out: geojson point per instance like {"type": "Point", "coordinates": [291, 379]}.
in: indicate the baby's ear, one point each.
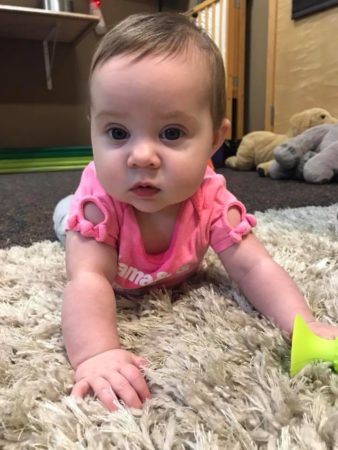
{"type": "Point", "coordinates": [220, 135]}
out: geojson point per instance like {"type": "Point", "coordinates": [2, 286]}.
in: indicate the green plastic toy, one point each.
{"type": "Point", "coordinates": [307, 347]}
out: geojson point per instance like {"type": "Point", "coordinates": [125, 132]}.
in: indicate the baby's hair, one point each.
{"type": "Point", "coordinates": [167, 34]}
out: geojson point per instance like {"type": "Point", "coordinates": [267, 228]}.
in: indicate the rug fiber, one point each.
{"type": "Point", "coordinates": [218, 371]}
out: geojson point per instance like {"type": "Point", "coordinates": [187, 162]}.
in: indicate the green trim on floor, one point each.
{"type": "Point", "coordinates": [45, 152]}
{"type": "Point", "coordinates": [17, 160]}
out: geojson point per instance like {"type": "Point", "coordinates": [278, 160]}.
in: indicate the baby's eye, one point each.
{"type": "Point", "coordinates": [171, 134]}
{"type": "Point", "coordinates": [118, 134]}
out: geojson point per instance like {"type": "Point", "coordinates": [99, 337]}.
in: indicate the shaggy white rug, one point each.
{"type": "Point", "coordinates": [218, 372]}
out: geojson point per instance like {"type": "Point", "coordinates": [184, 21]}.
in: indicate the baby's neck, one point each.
{"type": "Point", "coordinates": [158, 216]}
{"type": "Point", "coordinates": [157, 228]}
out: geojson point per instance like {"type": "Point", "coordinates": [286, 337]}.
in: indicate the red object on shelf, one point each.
{"type": "Point", "coordinates": [95, 9]}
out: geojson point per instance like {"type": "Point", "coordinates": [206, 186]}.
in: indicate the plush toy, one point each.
{"type": "Point", "coordinates": [312, 156]}
{"type": "Point", "coordinates": [256, 148]}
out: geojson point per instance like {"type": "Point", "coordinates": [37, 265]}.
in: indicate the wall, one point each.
{"type": "Point", "coordinates": [306, 63]}
{"type": "Point", "coordinates": [177, 5]}
{"type": "Point", "coordinates": [30, 115]}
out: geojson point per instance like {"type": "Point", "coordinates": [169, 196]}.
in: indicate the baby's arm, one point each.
{"type": "Point", "coordinates": [90, 329]}
{"type": "Point", "coordinates": [266, 285]}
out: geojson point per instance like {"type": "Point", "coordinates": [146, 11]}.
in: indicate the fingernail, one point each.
{"type": "Point", "coordinates": [144, 362]}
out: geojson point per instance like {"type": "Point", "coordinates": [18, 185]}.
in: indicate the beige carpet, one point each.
{"type": "Point", "coordinates": [218, 374]}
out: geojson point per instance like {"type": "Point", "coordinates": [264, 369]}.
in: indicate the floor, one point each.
{"type": "Point", "coordinates": [28, 199]}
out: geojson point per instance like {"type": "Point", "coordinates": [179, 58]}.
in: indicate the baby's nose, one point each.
{"type": "Point", "coordinates": [144, 155]}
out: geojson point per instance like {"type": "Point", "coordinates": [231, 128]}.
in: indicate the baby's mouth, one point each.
{"type": "Point", "coordinates": [144, 190]}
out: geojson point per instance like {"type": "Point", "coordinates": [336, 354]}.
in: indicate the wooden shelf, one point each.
{"type": "Point", "coordinates": [36, 24]}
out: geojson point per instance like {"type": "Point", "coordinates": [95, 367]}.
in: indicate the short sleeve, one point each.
{"type": "Point", "coordinates": [90, 191]}
{"type": "Point", "coordinates": [222, 234]}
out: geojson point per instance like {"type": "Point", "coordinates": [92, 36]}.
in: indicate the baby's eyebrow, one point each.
{"type": "Point", "coordinates": [117, 114]}
{"type": "Point", "coordinates": [177, 115]}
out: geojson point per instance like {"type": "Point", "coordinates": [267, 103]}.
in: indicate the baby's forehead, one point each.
{"type": "Point", "coordinates": [159, 83]}
{"type": "Point", "coordinates": [190, 55]}
{"type": "Point", "coordinates": [183, 70]}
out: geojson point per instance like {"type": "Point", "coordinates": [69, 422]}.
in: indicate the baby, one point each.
{"type": "Point", "coordinates": [148, 207]}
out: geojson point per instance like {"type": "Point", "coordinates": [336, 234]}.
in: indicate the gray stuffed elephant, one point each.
{"type": "Point", "coordinates": [312, 156]}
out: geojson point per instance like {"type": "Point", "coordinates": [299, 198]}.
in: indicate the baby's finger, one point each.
{"type": "Point", "coordinates": [104, 393]}
{"type": "Point", "coordinates": [124, 390]}
{"type": "Point", "coordinates": [324, 330]}
{"type": "Point", "coordinates": [80, 389]}
{"type": "Point", "coordinates": [140, 361]}
{"type": "Point", "coordinates": [136, 380]}
{"type": "Point", "coordinates": [330, 334]}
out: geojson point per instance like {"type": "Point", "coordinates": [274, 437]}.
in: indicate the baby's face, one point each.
{"type": "Point", "coordinates": [151, 128]}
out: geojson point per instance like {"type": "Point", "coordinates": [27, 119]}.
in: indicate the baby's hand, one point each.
{"type": "Point", "coordinates": [111, 375]}
{"type": "Point", "coordinates": [323, 329]}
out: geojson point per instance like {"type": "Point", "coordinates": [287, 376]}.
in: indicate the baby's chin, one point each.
{"type": "Point", "coordinates": [153, 209]}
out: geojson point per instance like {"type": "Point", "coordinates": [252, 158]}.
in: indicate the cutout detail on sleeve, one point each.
{"type": "Point", "coordinates": [100, 232]}
{"type": "Point", "coordinates": [223, 234]}
{"type": "Point", "coordinates": [243, 228]}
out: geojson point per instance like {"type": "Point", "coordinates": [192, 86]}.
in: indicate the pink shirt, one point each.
{"type": "Point", "coordinates": [201, 222]}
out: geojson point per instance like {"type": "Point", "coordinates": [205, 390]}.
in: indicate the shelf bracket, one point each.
{"type": "Point", "coordinates": [49, 60]}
